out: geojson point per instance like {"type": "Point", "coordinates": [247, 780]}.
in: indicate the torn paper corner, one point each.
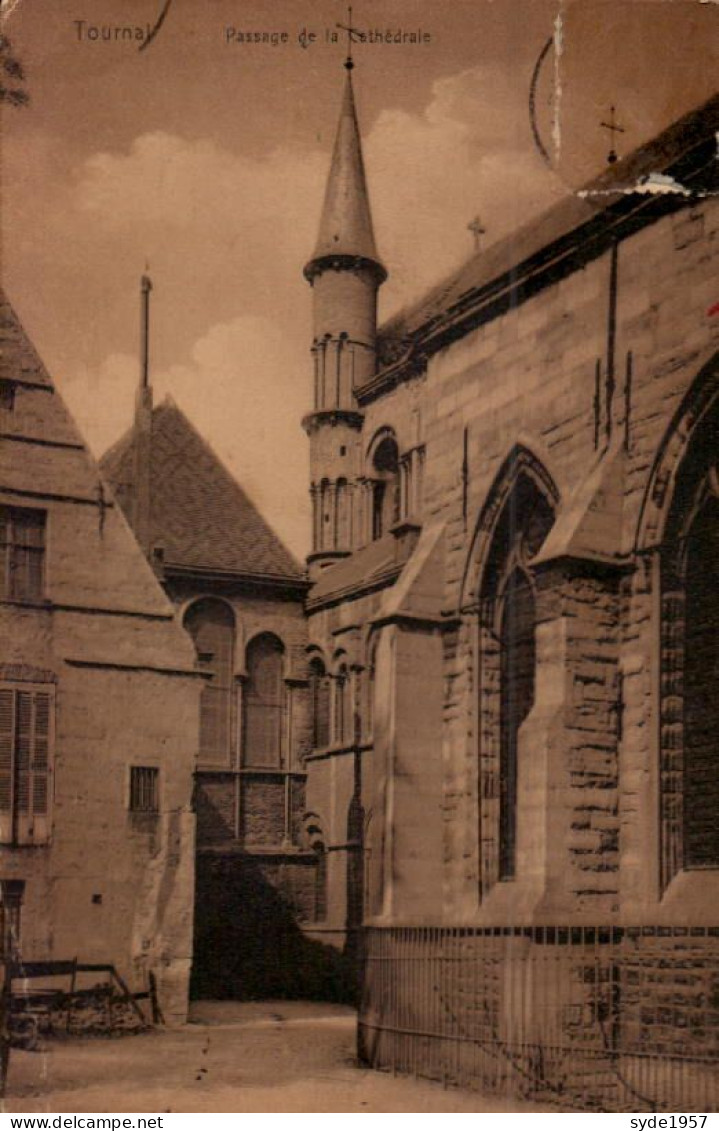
{"type": "Point", "coordinates": [656, 184]}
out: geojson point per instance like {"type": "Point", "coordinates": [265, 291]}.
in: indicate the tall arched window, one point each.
{"type": "Point", "coordinates": [689, 766]}
{"type": "Point", "coordinates": [516, 683]}
{"type": "Point", "coordinates": [264, 702]}
{"type": "Point", "coordinates": [211, 624]}
{"type": "Point", "coordinates": [320, 704]}
{"type": "Point", "coordinates": [701, 690]}
{"type": "Point", "coordinates": [516, 528]}
{"type": "Point", "coordinates": [385, 486]}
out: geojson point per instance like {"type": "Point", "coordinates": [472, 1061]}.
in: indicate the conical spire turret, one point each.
{"type": "Point", "coordinates": [346, 223]}
{"type": "Point", "coordinates": [345, 273]}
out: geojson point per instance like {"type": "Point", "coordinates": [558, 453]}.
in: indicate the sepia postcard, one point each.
{"type": "Point", "coordinates": [359, 558]}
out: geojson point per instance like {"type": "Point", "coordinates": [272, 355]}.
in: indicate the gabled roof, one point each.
{"type": "Point", "coordinates": [346, 223]}
{"type": "Point", "coordinates": [19, 360]}
{"type": "Point", "coordinates": [45, 463]}
{"type": "Point", "coordinates": [200, 515]}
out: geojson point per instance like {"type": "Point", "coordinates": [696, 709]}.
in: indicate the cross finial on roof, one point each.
{"type": "Point", "coordinates": [475, 227]}
{"type": "Point", "coordinates": [613, 128]}
{"type": "Point", "coordinates": [349, 61]}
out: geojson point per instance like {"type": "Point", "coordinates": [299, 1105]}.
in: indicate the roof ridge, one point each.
{"type": "Point", "coordinates": [594, 196]}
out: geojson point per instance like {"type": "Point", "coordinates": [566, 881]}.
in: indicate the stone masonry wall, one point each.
{"type": "Point", "coordinates": [528, 377]}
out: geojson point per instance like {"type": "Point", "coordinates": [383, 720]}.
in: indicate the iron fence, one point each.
{"type": "Point", "coordinates": [591, 1018]}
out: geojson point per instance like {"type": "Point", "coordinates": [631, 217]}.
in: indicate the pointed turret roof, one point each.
{"type": "Point", "coordinates": [346, 223]}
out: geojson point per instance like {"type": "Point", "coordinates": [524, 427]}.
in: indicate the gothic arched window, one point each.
{"type": "Point", "coordinates": [516, 683]}
{"type": "Point", "coordinates": [689, 766]}
{"type": "Point", "coordinates": [507, 667]}
{"type": "Point", "coordinates": [701, 690]}
{"type": "Point", "coordinates": [264, 702]}
{"type": "Point", "coordinates": [211, 624]}
{"type": "Point", "coordinates": [320, 704]}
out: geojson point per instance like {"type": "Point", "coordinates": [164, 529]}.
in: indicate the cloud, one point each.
{"type": "Point", "coordinates": [226, 234]}
{"type": "Point", "coordinates": [198, 187]}
{"type": "Point", "coordinates": [430, 174]}
{"type": "Point", "coordinates": [241, 392]}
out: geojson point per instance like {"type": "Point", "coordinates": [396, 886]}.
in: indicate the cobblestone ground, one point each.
{"type": "Point", "coordinates": [232, 1057]}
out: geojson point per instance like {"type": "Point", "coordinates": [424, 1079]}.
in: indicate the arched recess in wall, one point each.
{"type": "Point", "coordinates": [342, 515]}
{"type": "Point", "coordinates": [343, 715]}
{"type": "Point", "coordinates": [680, 520]}
{"type": "Point", "coordinates": [514, 523]}
{"type": "Point", "coordinates": [314, 839]}
{"type": "Point", "coordinates": [264, 702]}
{"type": "Point", "coordinates": [369, 687]}
{"type": "Point", "coordinates": [383, 478]}
{"type": "Point", "coordinates": [324, 526]}
{"type": "Point", "coordinates": [211, 624]}
{"type": "Point", "coordinates": [320, 703]}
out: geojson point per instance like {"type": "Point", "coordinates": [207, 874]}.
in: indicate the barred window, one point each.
{"type": "Point", "coordinates": [144, 789]}
{"type": "Point", "coordinates": [11, 893]}
{"type": "Point", "coordinates": [22, 553]}
{"type": "Point", "coordinates": [264, 702]}
{"type": "Point", "coordinates": [26, 750]}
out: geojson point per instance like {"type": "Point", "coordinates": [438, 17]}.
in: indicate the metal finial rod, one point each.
{"type": "Point", "coordinates": [145, 288]}
{"type": "Point", "coordinates": [349, 61]}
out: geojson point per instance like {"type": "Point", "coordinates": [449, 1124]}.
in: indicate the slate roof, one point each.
{"type": "Point", "coordinates": [200, 515]}
{"type": "Point", "coordinates": [19, 360]}
{"type": "Point", "coordinates": [679, 147]}
{"type": "Point", "coordinates": [370, 567]}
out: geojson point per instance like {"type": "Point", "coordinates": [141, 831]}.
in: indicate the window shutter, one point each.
{"type": "Point", "coordinates": [23, 741]}
{"type": "Point", "coordinates": [32, 773]}
{"type": "Point", "coordinates": [7, 745]}
{"type": "Point", "coordinates": [40, 766]}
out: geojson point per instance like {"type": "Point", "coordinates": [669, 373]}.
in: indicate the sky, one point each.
{"type": "Point", "coordinates": [205, 158]}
